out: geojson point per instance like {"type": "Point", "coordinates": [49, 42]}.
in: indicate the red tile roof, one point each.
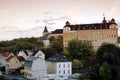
{"type": "Point", "coordinates": [6, 54]}
{"type": "Point", "coordinates": [21, 58]}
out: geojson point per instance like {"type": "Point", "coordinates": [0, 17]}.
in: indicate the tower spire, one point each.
{"type": "Point", "coordinates": [45, 29]}
{"type": "Point", "coordinates": [104, 20]}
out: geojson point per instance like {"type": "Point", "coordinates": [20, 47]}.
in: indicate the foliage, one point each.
{"type": "Point", "coordinates": [76, 64]}
{"type": "Point", "coordinates": [79, 49]}
{"type": "Point", "coordinates": [20, 44]}
{"type": "Point", "coordinates": [108, 60]}
{"type": "Point", "coordinates": [49, 52]}
{"type": "Point", "coordinates": [57, 44]}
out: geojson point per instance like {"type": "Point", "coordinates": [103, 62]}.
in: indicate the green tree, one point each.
{"type": "Point", "coordinates": [79, 49]}
{"type": "Point", "coordinates": [108, 58]}
{"type": "Point", "coordinates": [57, 44]}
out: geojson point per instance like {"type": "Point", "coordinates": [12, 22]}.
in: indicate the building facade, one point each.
{"type": "Point", "coordinates": [60, 66]}
{"type": "Point", "coordinates": [96, 33]}
{"type": "Point", "coordinates": [35, 68]}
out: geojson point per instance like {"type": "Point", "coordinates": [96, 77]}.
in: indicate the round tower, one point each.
{"type": "Point", "coordinates": [67, 26]}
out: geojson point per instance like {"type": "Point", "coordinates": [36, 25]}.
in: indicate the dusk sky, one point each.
{"type": "Point", "coordinates": [27, 18]}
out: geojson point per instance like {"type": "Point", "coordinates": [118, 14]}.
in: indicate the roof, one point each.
{"type": "Point", "coordinates": [31, 58]}
{"type": "Point", "coordinates": [93, 26]}
{"type": "Point", "coordinates": [58, 58]}
{"type": "Point", "coordinates": [10, 57]}
{"type": "Point", "coordinates": [21, 58]}
{"type": "Point", "coordinates": [90, 26]}
{"type": "Point", "coordinates": [45, 29]}
{"type": "Point", "coordinates": [29, 61]}
{"type": "Point", "coordinates": [57, 31]}
{"type": "Point", "coordinates": [6, 54]}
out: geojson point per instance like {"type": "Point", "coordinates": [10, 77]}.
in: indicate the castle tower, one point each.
{"type": "Point", "coordinates": [67, 26]}
{"type": "Point", "coordinates": [45, 37]}
{"type": "Point", "coordinates": [45, 31]}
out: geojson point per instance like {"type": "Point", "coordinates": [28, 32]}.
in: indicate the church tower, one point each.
{"type": "Point", "coordinates": [45, 36]}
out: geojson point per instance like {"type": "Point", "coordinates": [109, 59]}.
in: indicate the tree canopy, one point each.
{"type": "Point", "coordinates": [79, 49]}
{"type": "Point", "coordinates": [16, 45]}
{"type": "Point", "coordinates": [108, 63]}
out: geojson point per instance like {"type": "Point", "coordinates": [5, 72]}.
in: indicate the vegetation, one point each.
{"type": "Point", "coordinates": [105, 63]}
{"type": "Point", "coordinates": [79, 49]}
{"type": "Point", "coordinates": [108, 63]}
{"type": "Point", "coordinates": [56, 44]}
{"type": "Point", "coordinates": [80, 52]}
{"type": "Point", "coordinates": [20, 44]}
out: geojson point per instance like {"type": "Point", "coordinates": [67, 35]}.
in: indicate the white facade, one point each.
{"type": "Point", "coordinates": [22, 53]}
{"type": "Point", "coordinates": [40, 54]}
{"type": "Point", "coordinates": [35, 69]}
{"type": "Point", "coordinates": [64, 68]}
{"type": "Point", "coordinates": [60, 66]}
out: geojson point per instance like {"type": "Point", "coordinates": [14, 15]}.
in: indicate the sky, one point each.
{"type": "Point", "coordinates": [27, 18]}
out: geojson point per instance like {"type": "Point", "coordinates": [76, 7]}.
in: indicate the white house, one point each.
{"type": "Point", "coordinates": [35, 68]}
{"type": "Point", "coordinates": [27, 53]}
{"type": "Point", "coordinates": [23, 54]}
{"type": "Point", "coordinates": [59, 65]}
{"type": "Point", "coordinates": [40, 54]}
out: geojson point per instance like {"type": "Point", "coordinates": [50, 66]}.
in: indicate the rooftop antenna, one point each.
{"type": "Point", "coordinates": [103, 14]}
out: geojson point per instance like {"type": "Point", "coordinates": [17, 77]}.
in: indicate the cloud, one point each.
{"type": "Point", "coordinates": [6, 13]}
{"type": "Point", "coordinates": [6, 28]}
{"type": "Point", "coordinates": [69, 12]}
{"type": "Point", "coordinates": [115, 7]}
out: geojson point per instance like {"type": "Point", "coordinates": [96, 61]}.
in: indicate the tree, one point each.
{"type": "Point", "coordinates": [16, 45]}
{"type": "Point", "coordinates": [79, 49]}
{"type": "Point", "coordinates": [57, 44]}
{"type": "Point", "coordinates": [108, 58]}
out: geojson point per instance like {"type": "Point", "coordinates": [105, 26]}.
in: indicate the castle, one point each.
{"type": "Point", "coordinates": [95, 33]}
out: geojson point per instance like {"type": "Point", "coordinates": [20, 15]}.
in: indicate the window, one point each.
{"type": "Point", "coordinates": [59, 72]}
{"type": "Point", "coordinates": [64, 72]}
{"type": "Point", "coordinates": [63, 65]}
{"type": "Point", "coordinates": [59, 65]}
{"type": "Point", "coordinates": [68, 65]}
{"type": "Point", "coordinates": [68, 71]}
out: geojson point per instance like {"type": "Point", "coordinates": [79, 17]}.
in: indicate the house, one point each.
{"type": "Point", "coordinates": [21, 59]}
{"type": "Point", "coordinates": [12, 63]}
{"type": "Point", "coordinates": [59, 65]}
{"type": "Point", "coordinates": [26, 53]}
{"type": "Point", "coordinates": [35, 68]}
{"type": "Point", "coordinates": [40, 54]}
{"type": "Point", "coordinates": [3, 57]}
{"type": "Point", "coordinates": [23, 54]}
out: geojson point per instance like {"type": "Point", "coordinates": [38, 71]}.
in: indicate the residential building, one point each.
{"type": "Point", "coordinates": [59, 65]}
{"type": "Point", "coordinates": [3, 57]}
{"type": "Point", "coordinates": [40, 54]}
{"type": "Point", "coordinates": [12, 63]}
{"type": "Point", "coordinates": [35, 68]}
{"type": "Point", "coordinates": [26, 53]}
{"type": "Point", "coordinates": [23, 53]}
